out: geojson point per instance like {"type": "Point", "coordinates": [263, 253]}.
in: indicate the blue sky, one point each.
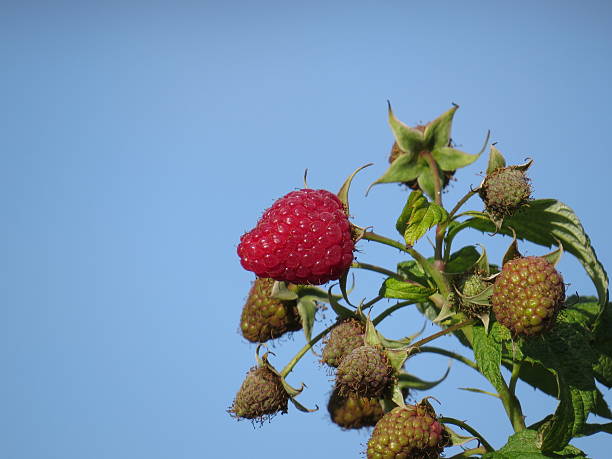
{"type": "Point", "coordinates": [141, 139]}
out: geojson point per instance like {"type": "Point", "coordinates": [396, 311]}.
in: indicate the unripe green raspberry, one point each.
{"type": "Point", "coordinates": [366, 372]}
{"type": "Point", "coordinates": [261, 396]}
{"type": "Point", "coordinates": [408, 432]}
{"type": "Point", "coordinates": [471, 286]}
{"type": "Point", "coordinates": [505, 190]}
{"type": "Point", "coordinates": [527, 295]}
{"type": "Point", "coordinates": [344, 337]}
{"type": "Point", "coordinates": [264, 318]}
{"type": "Point", "coordinates": [352, 411]}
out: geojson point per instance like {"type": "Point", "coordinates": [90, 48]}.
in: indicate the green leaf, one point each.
{"type": "Point", "coordinates": [565, 352]}
{"type": "Point", "coordinates": [496, 160]}
{"type": "Point", "coordinates": [523, 445]}
{"type": "Point", "coordinates": [404, 169]}
{"type": "Point", "coordinates": [603, 345]}
{"type": "Point", "coordinates": [544, 221]}
{"type": "Point", "coordinates": [488, 354]}
{"type": "Point", "coordinates": [450, 159]}
{"type": "Point", "coordinates": [462, 260]}
{"type": "Point", "coordinates": [426, 182]}
{"type": "Point", "coordinates": [409, 140]}
{"type": "Point", "coordinates": [404, 290]}
{"type": "Point", "coordinates": [418, 216]}
{"type": "Point", "coordinates": [438, 132]}
{"type": "Point", "coordinates": [413, 271]}
{"type": "Point", "coordinates": [307, 308]}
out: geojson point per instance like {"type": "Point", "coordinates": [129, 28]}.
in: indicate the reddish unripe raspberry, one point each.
{"type": "Point", "coordinates": [263, 317]}
{"type": "Point", "coordinates": [528, 294]}
{"type": "Point", "coordinates": [304, 238]}
{"type": "Point", "coordinates": [408, 432]}
{"type": "Point", "coordinates": [344, 337]}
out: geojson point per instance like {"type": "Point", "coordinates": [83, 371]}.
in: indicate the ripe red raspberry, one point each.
{"type": "Point", "coordinates": [304, 238]}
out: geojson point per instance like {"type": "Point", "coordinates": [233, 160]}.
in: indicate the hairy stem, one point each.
{"type": "Point", "coordinates": [436, 275]}
{"type": "Point", "coordinates": [289, 367]}
{"type": "Point", "coordinates": [467, 428]}
{"type": "Point", "coordinates": [516, 369]}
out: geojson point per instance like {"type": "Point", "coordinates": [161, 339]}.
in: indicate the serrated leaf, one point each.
{"type": "Point", "coordinates": [603, 345]}
{"type": "Point", "coordinates": [437, 133]}
{"type": "Point", "coordinates": [451, 159]}
{"type": "Point", "coordinates": [307, 308]}
{"type": "Point", "coordinates": [404, 290]}
{"type": "Point", "coordinates": [496, 160]}
{"type": "Point", "coordinates": [565, 352]}
{"type": "Point", "coordinates": [544, 221]}
{"type": "Point", "coordinates": [409, 140]}
{"type": "Point", "coordinates": [488, 354]}
{"type": "Point", "coordinates": [418, 216]}
{"type": "Point", "coordinates": [462, 260]}
{"type": "Point", "coordinates": [523, 445]}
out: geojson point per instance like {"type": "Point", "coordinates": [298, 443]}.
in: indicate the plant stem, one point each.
{"type": "Point", "coordinates": [462, 201]}
{"type": "Point", "coordinates": [289, 367]}
{"type": "Point", "coordinates": [446, 331]}
{"type": "Point", "coordinates": [512, 407]}
{"type": "Point", "coordinates": [372, 236]}
{"type": "Point", "coordinates": [391, 310]}
{"type": "Point", "coordinates": [438, 200]}
{"type": "Point", "coordinates": [436, 275]}
{"type": "Point", "coordinates": [452, 355]}
{"type": "Point", "coordinates": [376, 269]}
{"type": "Point", "coordinates": [469, 429]}
{"type": "Point", "coordinates": [516, 369]}
{"type": "Point", "coordinates": [372, 302]}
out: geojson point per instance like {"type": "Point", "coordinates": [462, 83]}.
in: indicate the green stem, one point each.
{"type": "Point", "coordinates": [372, 302]}
{"type": "Point", "coordinates": [376, 269]}
{"type": "Point", "coordinates": [459, 204]}
{"type": "Point", "coordinates": [446, 331]}
{"type": "Point", "coordinates": [452, 355]}
{"type": "Point", "coordinates": [436, 275]}
{"type": "Point", "coordinates": [438, 200]}
{"type": "Point", "coordinates": [516, 369]}
{"type": "Point", "coordinates": [372, 236]}
{"type": "Point", "coordinates": [391, 310]}
{"type": "Point", "coordinates": [512, 407]}
{"type": "Point", "coordinates": [467, 428]}
{"type": "Point", "coordinates": [289, 367]}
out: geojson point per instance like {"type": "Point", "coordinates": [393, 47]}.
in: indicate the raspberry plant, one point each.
{"type": "Point", "coordinates": [512, 314]}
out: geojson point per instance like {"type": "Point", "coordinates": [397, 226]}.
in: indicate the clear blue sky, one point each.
{"type": "Point", "coordinates": [139, 140]}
